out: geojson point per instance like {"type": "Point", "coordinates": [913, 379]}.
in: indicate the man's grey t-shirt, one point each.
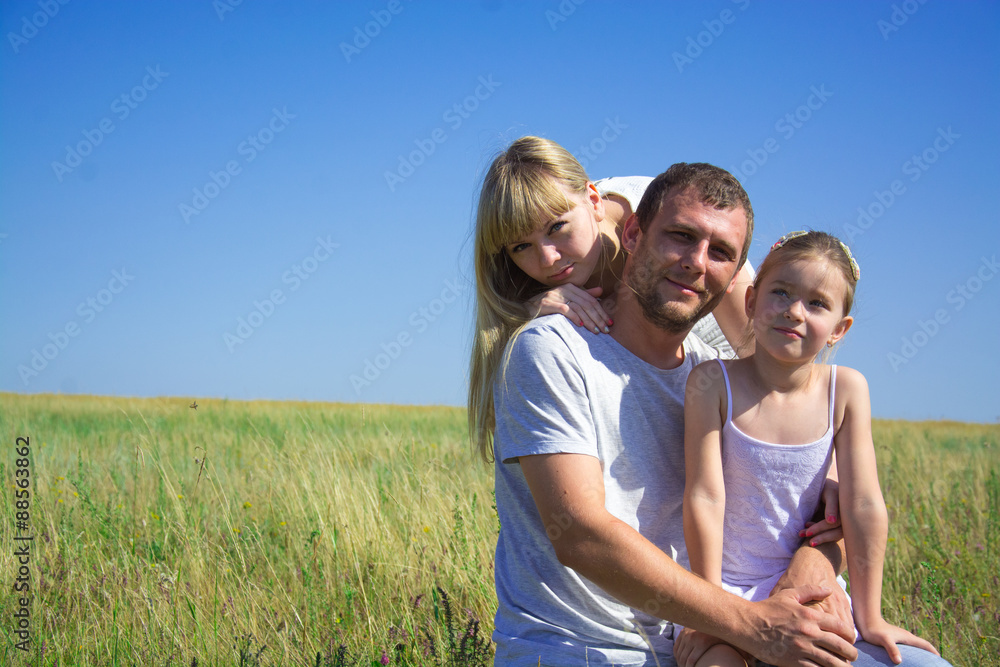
{"type": "Point", "coordinates": [567, 390]}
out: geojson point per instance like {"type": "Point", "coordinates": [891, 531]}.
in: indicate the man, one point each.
{"type": "Point", "coordinates": [590, 469]}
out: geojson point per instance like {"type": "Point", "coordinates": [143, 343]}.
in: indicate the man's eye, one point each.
{"type": "Point", "coordinates": [723, 254]}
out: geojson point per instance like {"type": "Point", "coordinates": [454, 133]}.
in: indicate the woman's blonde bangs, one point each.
{"type": "Point", "coordinates": [519, 205]}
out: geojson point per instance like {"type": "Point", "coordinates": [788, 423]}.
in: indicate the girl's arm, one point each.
{"type": "Point", "coordinates": [864, 516]}
{"type": "Point", "coordinates": [704, 489]}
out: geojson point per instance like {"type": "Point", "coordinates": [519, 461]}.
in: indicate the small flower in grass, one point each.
{"type": "Point", "coordinates": [427, 529]}
{"type": "Point", "coordinates": [384, 660]}
{"type": "Point", "coordinates": [282, 523]}
{"type": "Point", "coordinates": [156, 517]}
{"type": "Point", "coordinates": [247, 505]}
{"type": "Point", "coordinates": [59, 501]}
{"type": "Point", "coordinates": [236, 530]}
{"type": "Point", "coordinates": [180, 496]}
{"type": "Point", "coordinates": [76, 495]}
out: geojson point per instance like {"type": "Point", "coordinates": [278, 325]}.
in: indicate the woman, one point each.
{"type": "Point", "coordinates": [547, 241]}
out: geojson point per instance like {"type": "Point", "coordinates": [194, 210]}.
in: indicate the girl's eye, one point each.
{"type": "Point", "coordinates": [518, 248]}
{"type": "Point", "coordinates": [559, 224]}
{"type": "Point", "coordinates": [818, 303]}
{"type": "Point", "coordinates": [779, 291]}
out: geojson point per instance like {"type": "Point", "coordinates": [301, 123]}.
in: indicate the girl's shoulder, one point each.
{"type": "Point", "coordinates": [851, 395]}
{"type": "Point", "coordinates": [848, 379]}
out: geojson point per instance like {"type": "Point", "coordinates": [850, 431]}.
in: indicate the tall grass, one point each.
{"type": "Point", "coordinates": [266, 533]}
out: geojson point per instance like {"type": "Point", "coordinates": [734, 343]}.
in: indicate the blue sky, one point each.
{"type": "Point", "coordinates": [275, 201]}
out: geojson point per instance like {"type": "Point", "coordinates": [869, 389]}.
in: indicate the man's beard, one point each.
{"type": "Point", "coordinates": [669, 316]}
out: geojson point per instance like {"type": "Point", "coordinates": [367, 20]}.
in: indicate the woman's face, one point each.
{"type": "Point", "coordinates": [566, 249]}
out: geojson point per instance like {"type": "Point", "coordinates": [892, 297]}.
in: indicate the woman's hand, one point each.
{"type": "Point", "coordinates": [827, 530]}
{"type": "Point", "coordinates": [690, 645]}
{"type": "Point", "coordinates": [580, 306]}
{"type": "Point", "coordinates": [888, 635]}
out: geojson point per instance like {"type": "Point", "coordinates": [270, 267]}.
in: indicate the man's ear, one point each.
{"type": "Point", "coordinates": [631, 233]}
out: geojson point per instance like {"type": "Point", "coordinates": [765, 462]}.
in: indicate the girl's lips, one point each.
{"type": "Point", "coordinates": [788, 332]}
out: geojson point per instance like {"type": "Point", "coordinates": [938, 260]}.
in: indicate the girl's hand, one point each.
{"type": "Point", "coordinates": [690, 645]}
{"type": "Point", "coordinates": [887, 636]}
{"type": "Point", "coordinates": [580, 306]}
{"type": "Point", "coordinates": [827, 530]}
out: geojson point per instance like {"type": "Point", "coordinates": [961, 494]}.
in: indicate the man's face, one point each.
{"type": "Point", "coordinates": [685, 261]}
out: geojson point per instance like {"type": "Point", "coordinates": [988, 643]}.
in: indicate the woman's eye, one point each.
{"type": "Point", "coordinates": [518, 248]}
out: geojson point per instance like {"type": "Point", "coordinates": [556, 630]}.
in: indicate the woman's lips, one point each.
{"type": "Point", "coordinates": [562, 275]}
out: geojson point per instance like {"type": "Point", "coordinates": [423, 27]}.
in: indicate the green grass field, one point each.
{"type": "Point", "coordinates": [267, 533]}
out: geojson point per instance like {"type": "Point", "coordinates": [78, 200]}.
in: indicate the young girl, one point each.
{"type": "Point", "coordinates": [751, 482]}
{"type": "Point", "coordinates": [547, 240]}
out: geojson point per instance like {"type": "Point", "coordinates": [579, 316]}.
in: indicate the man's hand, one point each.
{"type": "Point", "coordinates": [819, 566]}
{"type": "Point", "coordinates": [580, 306]}
{"type": "Point", "coordinates": [793, 633]}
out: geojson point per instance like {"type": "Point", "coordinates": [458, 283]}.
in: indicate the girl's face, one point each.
{"type": "Point", "coordinates": [798, 308]}
{"type": "Point", "coordinates": [566, 249]}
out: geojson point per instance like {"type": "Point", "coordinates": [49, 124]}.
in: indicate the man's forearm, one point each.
{"type": "Point", "coordinates": [632, 569]}
{"type": "Point", "coordinates": [814, 565]}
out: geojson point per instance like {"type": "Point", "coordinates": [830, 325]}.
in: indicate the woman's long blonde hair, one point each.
{"type": "Point", "coordinates": [520, 189]}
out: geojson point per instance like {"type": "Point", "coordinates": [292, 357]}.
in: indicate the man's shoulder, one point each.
{"type": "Point", "coordinates": [548, 330]}
{"type": "Point", "coordinates": [698, 350]}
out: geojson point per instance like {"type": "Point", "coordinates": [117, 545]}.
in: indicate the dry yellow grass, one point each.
{"type": "Point", "coordinates": [166, 534]}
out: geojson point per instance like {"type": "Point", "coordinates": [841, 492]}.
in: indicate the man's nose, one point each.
{"type": "Point", "coordinates": [697, 257]}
